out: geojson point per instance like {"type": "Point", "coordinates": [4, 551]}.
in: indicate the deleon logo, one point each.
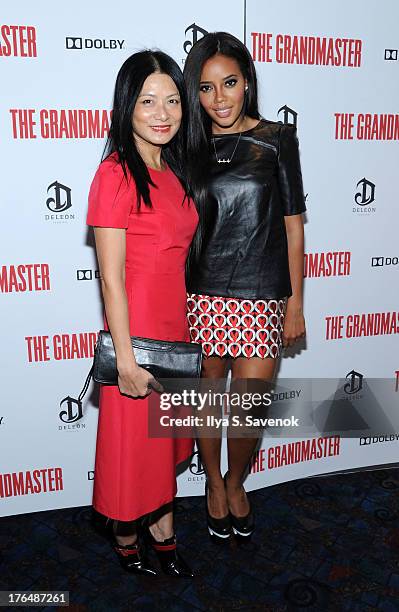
{"type": "Point", "coordinates": [196, 33]}
{"type": "Point", "coordinates": [366, 193]}
{"type": "Point", "coordinates": [196, 466]}
{"type": "Point", "coordinates": [288, 115]}
{"type": "Point", "coordinates": [73, 411]}
{"type": "Point", "coordinates": [59, 201]}
{"type": "Point", "coordinates": [78, 43]}
{"type": "Point", "coordinates": [391, 55]}
{"type": "Point", "coordinates": [354, 384]}
{"type": "Point", "coordinates": [62, 198]}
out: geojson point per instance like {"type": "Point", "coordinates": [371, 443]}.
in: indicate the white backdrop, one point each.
{"type": "Point", "coordinates": [56, 62]}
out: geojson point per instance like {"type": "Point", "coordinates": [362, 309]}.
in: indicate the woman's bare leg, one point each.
{"type": "Point", "coordinates": [213, 369]}
{"type": "Point", "coordinates": [240, 450]}
{"type": "Point", "coordinates": [161, 523]}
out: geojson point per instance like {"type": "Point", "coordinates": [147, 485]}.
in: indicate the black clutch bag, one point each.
{"type": "Point", "coordinates": [173, 362]}
{"type": "Point", "coordinates": [162, 358]}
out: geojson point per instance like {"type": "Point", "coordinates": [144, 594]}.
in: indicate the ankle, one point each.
{"type": "Point", "coordinates": [232, 482]}
{"type": "Point", "coordinates": [126, 540]}
{"type": "Point", "coordinates": [215, 483]}
{"type": "Point", "coordinates": [160, 534]}
{"type": "Point", "coordinates": [164, 545]}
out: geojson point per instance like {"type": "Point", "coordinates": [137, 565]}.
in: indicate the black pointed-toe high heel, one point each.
{"type": "Point", "coordinates": [170, 560]}
{"type": "Point", "coordinates": [219, 528]}
{"type": "Point", "coordinates": [133, 559]}
{"type": "Point", "coordinates": [243, 526]}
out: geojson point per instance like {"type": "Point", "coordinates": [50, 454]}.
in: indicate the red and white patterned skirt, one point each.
{"type": "Point", "coordinates": [236, 327]}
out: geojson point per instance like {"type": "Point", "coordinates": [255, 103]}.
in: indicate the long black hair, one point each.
{"type": "Point", "coordinates": [129, 83]}
{"type": "Point", "coordinates": [200, 125]}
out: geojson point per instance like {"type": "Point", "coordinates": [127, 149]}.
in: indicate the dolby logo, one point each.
{"type": "Point", "coordinates": [87, 275]}
{"type": "Point", "coordinates": [78, 43]}
{"type": "Point", "coordinates": [377, 262]}
{"type": "Point", "coordinates": [367, 440]}
{"type": "Point", "coordinates": [391, 55]}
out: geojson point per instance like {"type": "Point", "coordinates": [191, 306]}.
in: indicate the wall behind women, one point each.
{"type": "Point", "coordinates": [60, 69]}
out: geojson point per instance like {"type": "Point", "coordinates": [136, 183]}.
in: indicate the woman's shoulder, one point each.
{"type": "Point", "coordinates": [276, 128]}
{"type": "Point", "coordinates": [110, 196]}
{"type": "Point", "coordinates": [110, 168]}
{"type": "Point", "coordinates": [275, 133]}
{"type": "Point", "coordinates": [110, 176]}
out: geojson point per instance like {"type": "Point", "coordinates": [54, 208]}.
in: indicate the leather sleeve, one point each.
{"type": "Point", "coordinates": [289, 172]}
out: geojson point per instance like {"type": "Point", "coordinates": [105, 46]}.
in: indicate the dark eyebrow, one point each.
{"type": "Point", "coordinates": [224, 79]}
{"type": "Point", "coordinates": [153, 96]}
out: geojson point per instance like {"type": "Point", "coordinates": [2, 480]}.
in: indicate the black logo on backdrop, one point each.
{"type": "Point", "coordinates": [78, 43]}
{"type": "Point", "coordinates": [288, 115]}
{"type": "Point", "coordinates": [384, 261]}
{"type": "Point", "coordinates": [196, 32]}
{"type": "Point", "coordinates": [1, 420]}
{"type": "Point", "coordinates": [355, 383]}
{"type": "Point", "coordinates": [90, 475]}
{"type": "Point", "coordinates": [73, 410]}
{"type": "Point", "coordinates": [366, 193]}
{"type": "Point", "coordinates": [87, 275]}
{"type": "Point", "coordinates": [391, 55]}
{"type": "Point", "coordinates": [365, 441]}
{"type": "Point", "coordinates": [196, 466]}
{"type": "Point", "coordinates": [61, 200]}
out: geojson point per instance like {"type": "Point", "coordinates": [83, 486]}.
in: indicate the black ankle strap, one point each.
{"type": "Point", "coordinates": [132, 547]}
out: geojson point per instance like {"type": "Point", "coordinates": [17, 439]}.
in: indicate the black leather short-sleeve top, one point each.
{"type": "Point", "coordinates": [244, 250]}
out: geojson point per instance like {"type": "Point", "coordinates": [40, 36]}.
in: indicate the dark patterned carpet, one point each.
{"type": "Point", "coordinates": [329, 543]}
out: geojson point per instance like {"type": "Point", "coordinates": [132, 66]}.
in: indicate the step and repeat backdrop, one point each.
{"type": "Point", "coordinates": [333, 71]}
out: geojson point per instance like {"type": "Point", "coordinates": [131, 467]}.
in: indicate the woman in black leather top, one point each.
{"type": "Point", "coordinates": [246, 271]}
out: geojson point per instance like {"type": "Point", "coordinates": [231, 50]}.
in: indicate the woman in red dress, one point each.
{"type": "Point", "coordinates": [143, 223]}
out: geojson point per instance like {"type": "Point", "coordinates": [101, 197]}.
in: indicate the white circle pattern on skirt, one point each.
{"type": "Point", "coordinates": [235, 327]}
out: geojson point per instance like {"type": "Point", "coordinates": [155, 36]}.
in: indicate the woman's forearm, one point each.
{"type": "Point", "coordinates": [111, 255]}
{"type": "Point", "coordinates": [116, 309]}
{"type": "Point", "coordinates": [295, 238]}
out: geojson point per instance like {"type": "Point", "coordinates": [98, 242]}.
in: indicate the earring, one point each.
{"type": "Point", "coordinates": [246, 88]}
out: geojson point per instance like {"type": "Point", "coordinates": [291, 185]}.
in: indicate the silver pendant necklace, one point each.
{"type": "Point", "coordinates": [225, 160]}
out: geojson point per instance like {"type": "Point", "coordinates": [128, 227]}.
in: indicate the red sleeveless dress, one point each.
{"type": "Point", "coordinates": [136, 474]}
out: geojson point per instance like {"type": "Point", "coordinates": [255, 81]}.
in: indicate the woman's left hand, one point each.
{"type": "Point", "coordinates": [294, 324]}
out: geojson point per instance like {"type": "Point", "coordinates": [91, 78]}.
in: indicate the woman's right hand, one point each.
{"type": "Point", "coordinates": [137, 382]}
